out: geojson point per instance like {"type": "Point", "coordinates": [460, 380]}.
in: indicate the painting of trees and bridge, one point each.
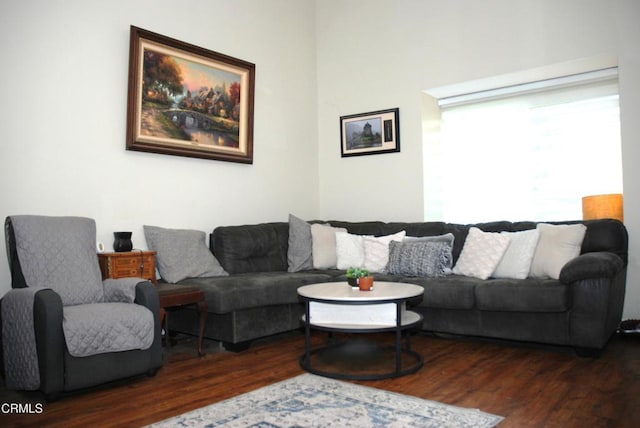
{"type": "Point", "coordinates": [195, 101]}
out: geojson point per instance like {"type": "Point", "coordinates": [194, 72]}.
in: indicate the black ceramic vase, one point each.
{"type": "Point", "coordinates": [122, 242]}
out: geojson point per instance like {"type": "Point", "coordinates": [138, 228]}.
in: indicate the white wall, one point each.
{"type": "Point", "coordinates": [63, 81]}
{"type": "Point", "coordinates": [383, 53]}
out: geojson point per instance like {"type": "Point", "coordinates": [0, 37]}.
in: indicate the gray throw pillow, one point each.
{"type": "Point", "coordinates": [299, 253]}
{"type": "Point", "coordinates": [419, 258]}
{"type": "Point", "coordinates": [182, 253]}
{"type": "Point", "coordinates": [447, 238]}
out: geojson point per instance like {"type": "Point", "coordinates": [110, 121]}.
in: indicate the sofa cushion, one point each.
{"type": "Point", "coordinates": [523, 295]}
{"type": "Point", "coordinates": [100, 328]}
{"type": "Point", "coordinates": [374, 228]}
{"type": "Point", "coordinates": [447, 292]}
{"type": "Point", "coordinates": [252, 248]}
{"type": "Point", "coordinates": [557, 245]}
{"type": "Point", "coordinates": [429, 228]}
{"type": "Point", "coordinates": [606, 235]}
{"type": "Point", "coordinates": [251, 290]}
{"type": "Point", "coordinates": [181, 253]}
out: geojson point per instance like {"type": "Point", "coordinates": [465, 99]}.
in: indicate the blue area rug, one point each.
{"type": "Point", "coordinates": [313, 401]}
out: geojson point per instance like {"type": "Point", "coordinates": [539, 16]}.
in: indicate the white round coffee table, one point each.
{"type": "Point", "coordinates": [337, 307]}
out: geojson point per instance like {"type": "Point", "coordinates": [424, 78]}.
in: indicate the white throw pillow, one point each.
{"type": "Point", "coordinates": [481, 253]}
{"type": "Point", "coordinates": [323, 243]}
{"type": "Point", "coordinates": [349, 250]}
{"type": "Point", "coordinates": [376, 251]}
{"type": "Point", "coordinates": [516, 261]}
{"type": "Point", "coordinates": [557, 245]}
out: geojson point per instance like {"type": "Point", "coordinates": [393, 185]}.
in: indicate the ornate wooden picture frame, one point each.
{"type": "Point", "coordinates": [185, 100]}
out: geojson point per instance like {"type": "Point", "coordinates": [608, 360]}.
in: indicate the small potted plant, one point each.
{"type": "Point", "coordinates": [365, 283]}
{"type": "Point", "coordinates": [354, 274]}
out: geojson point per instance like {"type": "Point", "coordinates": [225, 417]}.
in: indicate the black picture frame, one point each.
{"type": "Point", "coordinates": [370, 133]}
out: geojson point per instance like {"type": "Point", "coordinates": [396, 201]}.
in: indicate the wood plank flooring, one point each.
{"type": "Point", "coordinates": [529, 386]}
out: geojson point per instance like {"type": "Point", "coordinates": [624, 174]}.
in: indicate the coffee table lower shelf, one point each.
{"type": "Point", "coordinates": [360, 359]}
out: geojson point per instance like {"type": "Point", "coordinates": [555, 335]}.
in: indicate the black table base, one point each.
{"type": "Point", "coordinates": [361, 359]}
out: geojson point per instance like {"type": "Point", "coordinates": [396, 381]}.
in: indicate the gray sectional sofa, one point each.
{"type": "Point", "coordinates": [581, 308]}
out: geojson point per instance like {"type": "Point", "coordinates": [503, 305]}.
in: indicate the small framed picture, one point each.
{"type": "Point", "coordinates": [370, 133]}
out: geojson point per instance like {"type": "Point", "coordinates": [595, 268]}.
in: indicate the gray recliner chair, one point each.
{"type": "Point", "coordinates": [63, 327]}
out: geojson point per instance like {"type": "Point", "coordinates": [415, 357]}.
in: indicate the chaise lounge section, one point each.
{"type": "Point", "coordinates": [581, 308]}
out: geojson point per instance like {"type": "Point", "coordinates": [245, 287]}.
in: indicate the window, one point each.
{"type": "Point", "coordinates": [528, 152]}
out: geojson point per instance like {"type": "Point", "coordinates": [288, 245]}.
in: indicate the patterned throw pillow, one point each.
{"type": "Point", "coordinates": [447, 238]}
{"type": "Point", "coordinates": [481, 253]}
{"type": "Point", "coordinates": [419, 258]}
{"type": "Point", "coordinates": [376, 251]}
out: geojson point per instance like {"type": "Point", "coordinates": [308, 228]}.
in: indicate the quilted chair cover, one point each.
{"type": "Point", "coordinates": [82, 336]}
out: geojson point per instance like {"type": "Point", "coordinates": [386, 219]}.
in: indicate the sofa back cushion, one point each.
{"type": "Point", "coordinates": [601, 235]}
{"type": "Point", "coordinates": [263, 247]}
{"type": "Point", "coordinates": [251, 248]}
{"type": "Point", "coordinates": [606, 235]}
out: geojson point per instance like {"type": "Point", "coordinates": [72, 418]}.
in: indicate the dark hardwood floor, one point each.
{"type": "Point", "coordinates": [529, 386]}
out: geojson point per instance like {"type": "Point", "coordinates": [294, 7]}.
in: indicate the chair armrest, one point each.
{"type": "Point", "coordinates": [34, 314]}
{"type": "Point", "coordinates": [121, 290]}
{"type": "Point", "coordinates": [133, 290]}
{"type": "Point", "coordinates": [147, 296]}
{"type": "Point", "coordinates": [47, 319]}
{"type": "Point", "coordinates": [591, 265]}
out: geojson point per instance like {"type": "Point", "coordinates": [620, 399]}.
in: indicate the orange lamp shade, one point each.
{"type": "Point", "coordinates": [602, 206]}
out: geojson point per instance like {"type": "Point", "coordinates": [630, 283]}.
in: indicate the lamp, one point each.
{"type": "Point", "coordinates": [602, 206]}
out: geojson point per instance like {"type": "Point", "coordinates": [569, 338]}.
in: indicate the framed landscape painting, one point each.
{"type": "Point", "coordinates": [370, 133]}
{"type": "Point", "coordinates": [185, 100]}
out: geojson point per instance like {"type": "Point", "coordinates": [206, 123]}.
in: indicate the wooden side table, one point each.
{"type": "Point", "coordinates": [129, 264]}
{"type": "Point", "coordinates": [173, 295]}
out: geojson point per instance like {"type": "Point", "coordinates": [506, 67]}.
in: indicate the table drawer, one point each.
{"type": "Point", "coordinates": [127, 265]}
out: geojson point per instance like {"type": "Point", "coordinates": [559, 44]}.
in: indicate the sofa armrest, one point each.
{"type": "Point", "coordinates": [591, 265]}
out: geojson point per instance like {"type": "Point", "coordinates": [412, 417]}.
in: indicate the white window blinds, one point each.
{"type": "Point", "coordinates": [530, 152]}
